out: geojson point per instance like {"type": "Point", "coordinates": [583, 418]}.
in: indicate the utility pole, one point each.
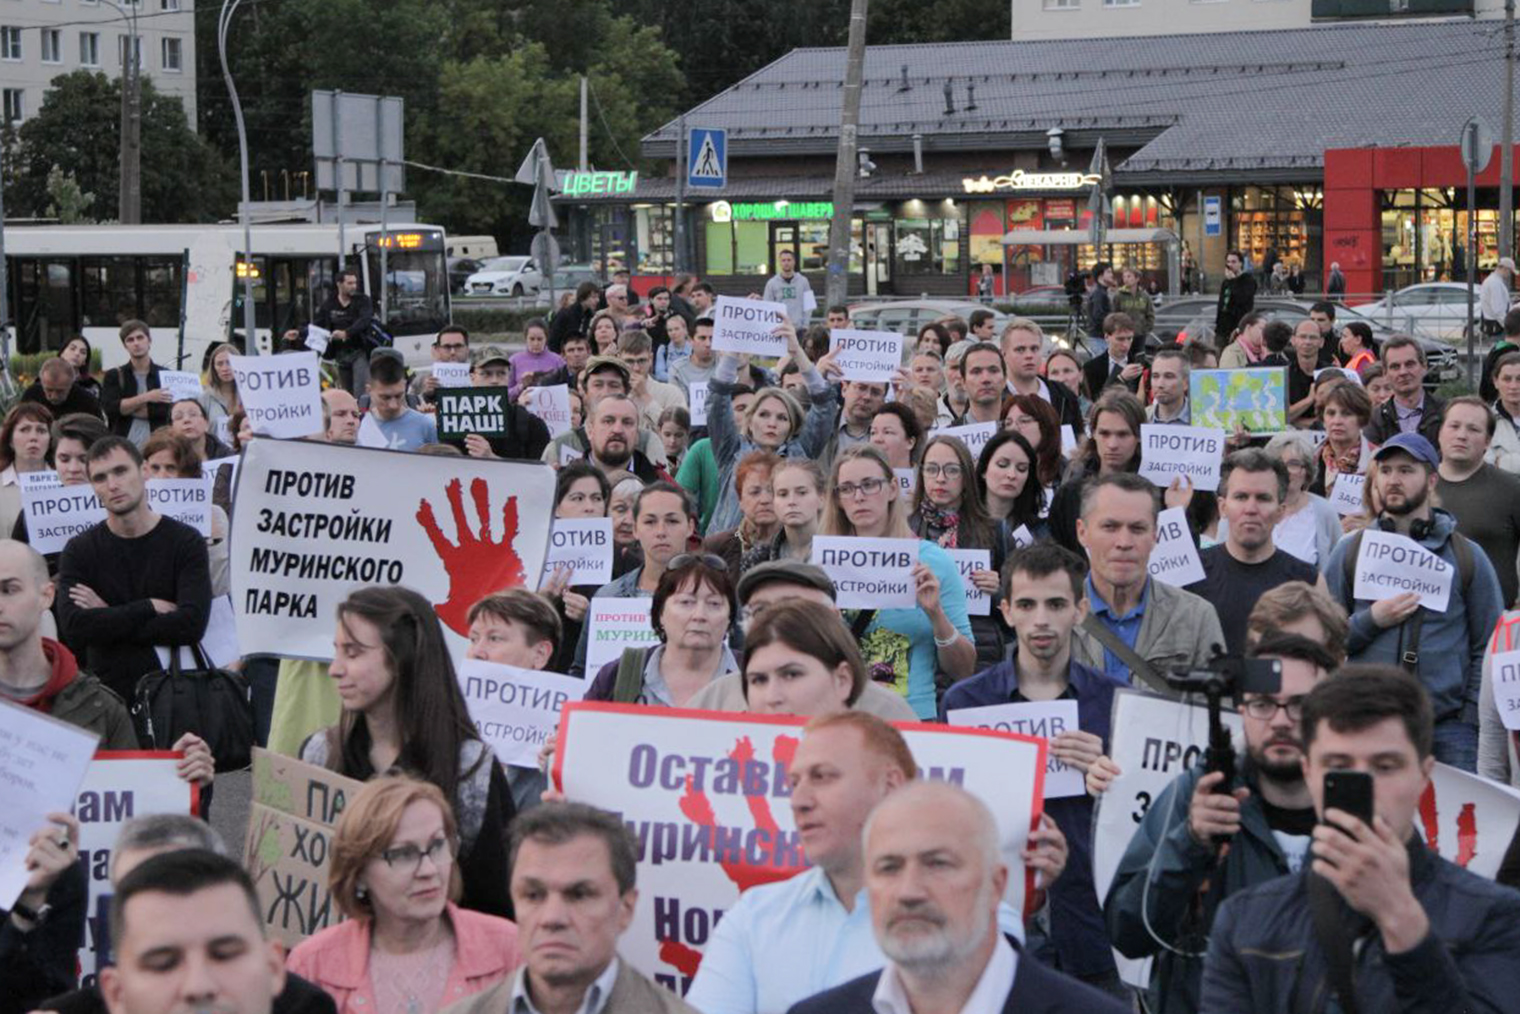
{"type": "Point", "coordinates": [250, 334]}
{"type": "Point", "coordinates": [837, 286]}
{"type": "Point", "coordinates": [1507, 143]}
{"type": "Point", "coordinates": [129, 194]}
{"type": "Point", "coordinates": [584, 163]}
{"type": "Point", "coordinates": [681, 157]}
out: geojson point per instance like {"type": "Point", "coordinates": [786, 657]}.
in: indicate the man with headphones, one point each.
{"type": "Point", "coordinates": [1444, 650]}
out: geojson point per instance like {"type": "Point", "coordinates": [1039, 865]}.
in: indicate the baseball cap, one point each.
{"type": "Point", "coordinates": [787, 571]}
{"type": "Point", "coordinates": [1412, 444]}
{"type": "Point", "coordinates": [597, 364]}
{"type": "Point", "coordinates": [489, 354]}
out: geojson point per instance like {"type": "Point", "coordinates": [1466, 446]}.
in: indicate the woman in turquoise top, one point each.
{"type": "Point", "coordinates": [904, 647]}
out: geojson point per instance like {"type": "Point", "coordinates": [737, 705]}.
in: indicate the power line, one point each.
{"type": "Point", "coordinates": [601, 114]}
{"type": "Point", "coordinates": [457, 172]}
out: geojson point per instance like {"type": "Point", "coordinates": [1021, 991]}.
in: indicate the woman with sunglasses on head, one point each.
{"type": "Point", "coordinates": [406, 946]}
{"type": "Point", "coordinates": [948, 511]}
{"type": "Point", "coordinates": [402, 711]}
{"type": "Point", "coordinates": [905, 647]}
{"type": "Point", "coordinates": [693, 607]}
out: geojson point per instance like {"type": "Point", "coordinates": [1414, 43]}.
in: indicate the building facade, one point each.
{"type": "Point", "coordinates": [1073, 19]}
{"type": "Point", "coordinates": [41, 39]}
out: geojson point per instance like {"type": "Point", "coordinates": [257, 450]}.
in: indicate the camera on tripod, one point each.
{"type": "Point", "coordinates": [1232, 676]}
{"type": "Point", "coordinates": [1076, 289]}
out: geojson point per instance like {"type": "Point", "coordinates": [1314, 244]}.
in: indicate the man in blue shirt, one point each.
{"type": "Point", "coordinates": [1043, 601]}
{"type": "Point", "coordinates": [391, 422]}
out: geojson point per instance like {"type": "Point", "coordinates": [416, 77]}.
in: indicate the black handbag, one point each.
{"type": "Point", "coordinates": [213, 703]}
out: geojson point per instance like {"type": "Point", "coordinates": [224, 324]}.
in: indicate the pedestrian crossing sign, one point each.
{"type": "Point", "coordinates": [707, 158]}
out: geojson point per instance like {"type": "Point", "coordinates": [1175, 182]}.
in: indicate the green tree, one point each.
{"type": "Point", "coordinates": [71, 205]}
{"type": "Point", "coordinates": [184, 179]}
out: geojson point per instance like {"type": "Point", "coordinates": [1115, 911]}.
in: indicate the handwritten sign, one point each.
{"type": "Point", "coordinates": [748, 325]}
{"type": "Point", "coordinates": [552, 405]}
{"type": "Point", "coordinates": [42, 763]}
{"type": "Point", "coordinates": [868, 573]}
{"type": "Point", "coordinates": [281, 394]}
{"type": "Point", "coordinates": [1347, 495]}
{"type": "Point", "coordinates": [614, 624]}
{"type": "Point", "coordinates": [582, 546]}
{"type": "Point", "coordinates": [1045, 719]}
{"type": "Point", "coordinates": [1389, 564]}
{"type": "Point", "coordinates": [516, 711]}
{"type": "Point", "coordinates": [978, 602]}
{"type": "Point", "coordinates": [1175, 559]}
{"type": "Point", "coordinates": [1192, 452]}
{"type": "Point", "coordinates": [872, 357]}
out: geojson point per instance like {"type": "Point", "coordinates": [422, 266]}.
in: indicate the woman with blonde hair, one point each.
{"type": "Point", "coordinates": [220, 387]}
{"type": "Point", "coordinates": [406, 946]}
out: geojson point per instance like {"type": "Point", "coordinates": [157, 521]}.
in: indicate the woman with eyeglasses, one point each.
{"type": "Point", "coordinates": [1011, 493]}
{"type": "Point", "coordinates": [580, 491]}
{"type": "Point", "coordinates": [406, 946]}
{"type": "Point", "coordinates": [904, 647]}
{"type": "Point", "coordinates": [797, 486]}
{"type": "Point", "coordinates": [402, 711]}
{"type": "Point", "coordinates": [948, 511]}
{"type": "Point", "coordinates": [757, 509]}
{"type": "Point", "coordinates": [693, 606]}
{"type": "Point", "coordinates": [1309, 527]}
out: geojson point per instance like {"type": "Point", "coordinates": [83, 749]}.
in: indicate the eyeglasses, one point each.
{"type": "Point", "coordinates": [705, 559]}
{"type": "Point", "coordinates": [866, 487]}
{"type": "Point", "coordinates": [409, 857]}
{"type": "Point", "coordinates": [1264, 709]}
{"type": "Point", "coordinates": [452, 348]}
{"type": "Point", "coordinates": [948, 471]}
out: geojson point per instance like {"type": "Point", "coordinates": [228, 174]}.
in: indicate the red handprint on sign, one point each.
{"type": "Point", "coordinates": [1467, 827]}
{"type": "Point", "coordinates": [698, 810]}
{"type": "Point", "coordinates": [477, 566]}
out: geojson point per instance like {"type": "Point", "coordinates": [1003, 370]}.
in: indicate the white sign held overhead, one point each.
{"type": "Point", "coordinates": [869, 573]}
{"type": "Point", "coordinates": [1175, 559]}
{"type": "Point", "coordinates": [749, 325]}
{"type": "Point", "coordinates": [1388, 564]}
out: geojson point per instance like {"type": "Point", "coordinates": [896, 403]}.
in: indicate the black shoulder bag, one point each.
{"type": "Point", "coordinates": [213, 703]}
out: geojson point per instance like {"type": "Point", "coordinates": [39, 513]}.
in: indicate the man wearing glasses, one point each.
{"type": "Point", "coordinates": [1202, 841]}
{"type": "Point", "coordinates": [451, 346]}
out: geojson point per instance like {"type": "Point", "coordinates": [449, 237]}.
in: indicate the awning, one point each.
{"type": "Point", "coordinates": [1079, 237]}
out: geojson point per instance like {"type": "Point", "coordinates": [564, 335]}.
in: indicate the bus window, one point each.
{"type": "Point", "coordinates": [109, 290]}
{"type": "Point", "coordinates": [417, 291]}
{"type": "Point", "coordinates": [161, 291]}
{"type": "Point", "coordinates": [44, 308]}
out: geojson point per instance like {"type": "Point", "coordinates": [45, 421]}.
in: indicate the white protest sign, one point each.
{"type": "Point", "coordinates": [868, 573]}
{"type": "Point", "coordinates": [698, 408]}
{"type": "Point", "coordinates": [42, 763]}
{"type": "Point", "coordinates": [1175, 559]}
{"type": "Point", "coordinates": [180, 384]}
{"type": "Point", "coordinates": [1068, 439]}
{"type": "Point", "coordinates": [907, 481]}
{"type": "Point", "coordinates": [187, 501]}
{"type": "Point", "coordinates": [873, 357]}
{"type": "Point", "coordinates": [582, 546]}
{"type": "Point", "coordinates": [552, 405]}
{"type": "Point", "coordinates": [1315, 437]}
{"type": "Point", "coordinates": [370, 434]}
{"type": "Point", "coordinates": [1390, 564]}
{"type": "Point", "coordinates": [119, 785]}
{"type": "Point", "coordinates": [219, 643]}
{"type": "Point", "coordinates": [214, 466]}
{"type": "Point", "coordinates": [1468, 820]}
{"type": "Point", "coordinates": [973, 435]}
{"type": "Point", "coordinates": [706, 795]}
{"type": "Point", "coordinates": [317, 338]}
{"type": "Point", "coordinates": [313, 522]}
{"type": "Point", "coordinates": [1022, 537]}
{"type": "Point", "coordinates": [1346, 496]}
{"type": "Point", "coordinates": [1045, 719]}
{"type": "Point", "coordinates": [749, 325]}
{"type": "Point", "coordinates": [614, 624]}
{"type": "Point", "coordinates": [568, 454]}
{"type": "Point", "coordinates": [978, 602]}
{"type": "Point", "coordinates": [45, 479]}
{"type": "Point", "coordinates": [281, 394]}
{"type": "Point", "coordinates": [1154, 740]}
{"type": "Point", "coordinates": [1505, 679]}
{"type": "Point", "coordinates": [1194, 452]}
{"type": "Point", "coordinates": [452, 374]}
{"type": "Point", "coordinates": [516, 710]}
{"type": "Point", "coordinates": [54, 516]}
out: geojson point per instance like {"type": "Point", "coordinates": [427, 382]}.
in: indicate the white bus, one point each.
{"type": "Point", "coordinates": [185, 282]}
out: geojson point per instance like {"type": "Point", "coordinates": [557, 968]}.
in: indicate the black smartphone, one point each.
{"type": "Point", "coordinates": [1350, 792]}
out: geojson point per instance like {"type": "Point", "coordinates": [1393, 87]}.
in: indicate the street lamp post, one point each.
{"type": "Point", "coordinates": [224, 22]}
{"type": "Point", "coordinates": [129, 195]}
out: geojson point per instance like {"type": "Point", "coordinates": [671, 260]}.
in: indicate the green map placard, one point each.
{"type": "Point", "coordinates": [1254, 397]}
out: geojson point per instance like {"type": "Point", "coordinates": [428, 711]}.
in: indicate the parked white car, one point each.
{"type": "Point", "coordinates": [505, 276]}
{"type": "Point", "coordinates": [1432, 309]}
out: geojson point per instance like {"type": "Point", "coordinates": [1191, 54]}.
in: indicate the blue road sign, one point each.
{"type": "Point", "coordinates": [1213, 216]}
{"type": "Point", "coordinates": [707, 158]}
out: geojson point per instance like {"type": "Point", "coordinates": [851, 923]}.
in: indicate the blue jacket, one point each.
{"type": "Point", "coordinates": [1077, 934]}
{"type": "Point", "coordinates": [1036, 990]}
{"type": "Point", "coordinates": [1264, 959]}
{"type": "Point", "coordinates": [1451, 643]}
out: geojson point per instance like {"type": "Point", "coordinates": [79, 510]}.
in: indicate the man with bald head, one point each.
{"type": "Point", "coordinates": [934, 876]}
{"type": "Point", "coordinates": [340, 416]}
{"type": "Point", "coordinates": [55, 387]}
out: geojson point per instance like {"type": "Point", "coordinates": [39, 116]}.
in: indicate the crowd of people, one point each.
{"type": "Point", "coordinates": [474, 887]}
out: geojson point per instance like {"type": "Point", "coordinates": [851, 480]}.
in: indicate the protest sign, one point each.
{"type": "Point", "coordinates": [45, 479]}
{"type": "Point", "coordinates": [1154, 740]}
{"type": "Point", "coordinates": [56, 515]}
{"type": "Point", "coordinates": [614, 624]}
{"type": "Point", "coordinates": [317, 338]}
{"type": "Point", "coordinates": [42, 763]}
{"type": "Point", "coordinates": [187, 501]}
{"type": "Point", "coordinates": [872, 357]}
{"type": "Point", "coordinates": [1389, 564]}
{"type": "Point", "coordinates": [1068, 440]}
{"type": "Point", "coordinates": [294, 809]}
{"type": "Point", "coordinates": [281, 394]}
{"type": "Point", "coordinates": [215, 465]}
{"type": "Point", "coordinates": [907, 481]}
{"type": "Point", "coordinates": [1175, 559]}
{"type": "Point", "coordinates": [568, 454]}
{"type": "Point", "coordinates": [1043, 719]}
{"type": "Point", "coordinates": [973, 435]}
{"type": "Point", "coordinates": [516, 710]}
{"type": "Point", "coordinates": [452, 374]}
{"type": "Point", "coordinates": [552, 405]}
{"type": "Point", "coordinates": [480, 410]}
{"type": "Point", "coordinates": [1022, 537]}
{"type": "Point", "coordinates": [1468, 820]}
{"type": "Point", "coordinates": [313, 522]}
{"type": "Point", "coordinates": [219, 643]}
{"type": "Point", "coordinates": [1346, 496]}
{"type": "Point", "coordinates": [582, 546]}
{"type": "Point", "coordinates": [978, 602]}
{"type": "Point", "coordinates": [119, 785]}
{"type": "Point", "coordinates": [868, 573]}
{"type": "Point", "coordinates": [1504, 676]}
{"type": "Point", "coordinates": [748, 325]}
{"type": "Point", "coordinates": [698, 394]}
{"type": "Point", "coordinates": [1192, 452]}
{"type": "Point", "coordinates": [181, 384]}
{"type": "Point", "coordinates": [1253, 397]}
{"type": "Point", "coordinates": [706, 796]}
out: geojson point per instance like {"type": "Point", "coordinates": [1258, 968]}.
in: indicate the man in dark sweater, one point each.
{"type": "Point", "coordinates": [56, 389]}
{"type": "Point", "coordinates": [1484, 499]}
{"type": "Point", "coordinates": [1252, 488]}
{"type": "Point", "coordinates": [135, 580]}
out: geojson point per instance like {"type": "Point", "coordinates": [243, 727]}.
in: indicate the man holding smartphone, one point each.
{"type": "Point", "coordinates": [1376, 917]}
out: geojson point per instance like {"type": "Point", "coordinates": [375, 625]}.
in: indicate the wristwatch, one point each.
{"type": "Point", "coordinates": [35, 916]}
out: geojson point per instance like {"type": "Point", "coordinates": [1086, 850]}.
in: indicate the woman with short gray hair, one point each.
{"type": "Point", "coordinates": [1309, 526]}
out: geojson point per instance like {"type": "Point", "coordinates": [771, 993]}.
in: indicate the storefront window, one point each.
{"type": "Point", "coordinates": [927, 246]}
{"type": "Point", "coordinates": [1280, 220]}
{"type": "Point", "coordinates": [1425, 235]}
{"type": "Point", "coordinates": [719, 244]}
{"type": "Point", "coordinates": [654, 227]}
{"type": "Point", "coordinates": [611, 247]}
{"type": "Point", "coordinates": [752, 248]}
